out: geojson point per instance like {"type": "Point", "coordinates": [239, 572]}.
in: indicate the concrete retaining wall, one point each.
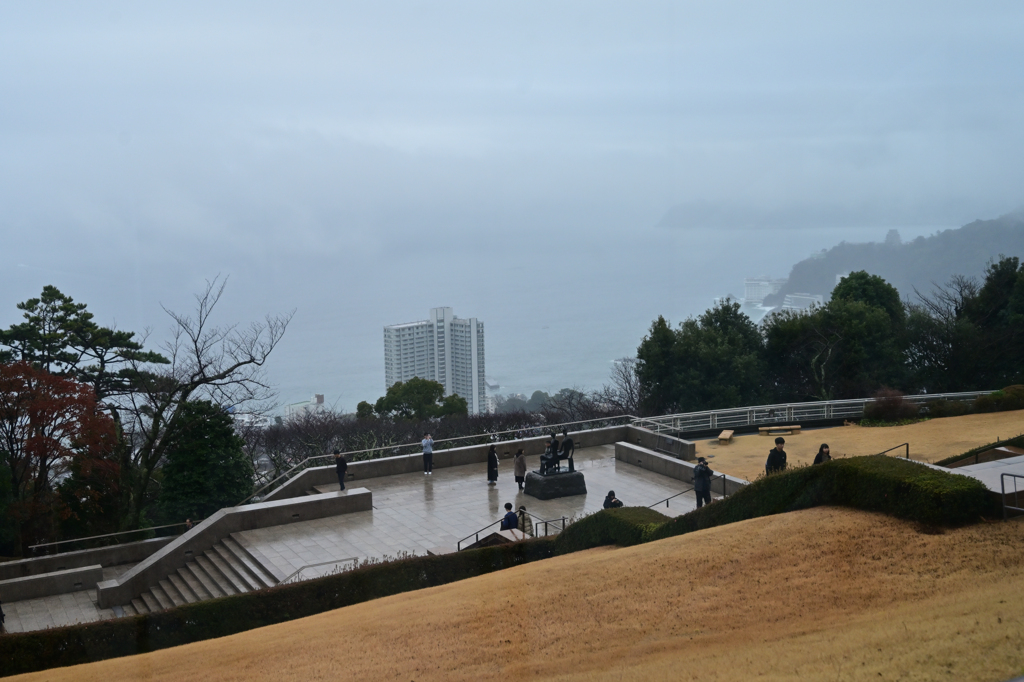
{"type": "Point", "coordinates": [408, 464]}
{"type": "Point", "coordinates": [220, 525]}
{"type": "Point", "coordinates": [663, 443]}
{"type": "Point", "coordinates": [128, 553]}
{"type": "Point", "coordinates": [673, 468]}
{"type": "Point", "coordinates": [57, 582]}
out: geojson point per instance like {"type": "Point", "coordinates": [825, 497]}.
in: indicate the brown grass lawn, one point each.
{"type": "Point", "coordinates": [820, 594]}
{"type": "Point", "coordinates": [930, 441]}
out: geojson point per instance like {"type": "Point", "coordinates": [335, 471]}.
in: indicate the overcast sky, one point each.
{"type": "Point", "coordinates": [542, 166]}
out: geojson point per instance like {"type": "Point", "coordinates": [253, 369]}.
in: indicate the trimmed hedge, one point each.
{"type": "Point", "coordinates": [1016, 441]}
{"type": "Point", "coordinates": [623, 526]}
{"type": "Point", "coordinates": [71, 645]}
{"type": "Point", "coordinates": [875, 483]}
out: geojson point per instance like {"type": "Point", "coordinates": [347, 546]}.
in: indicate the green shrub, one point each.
{"type": "Point", "coordinates": [1009, 398]}
{"type": "Point", "coordinates": [1017, 441]}
{"type": "Point", "coordinates": [947, 408]}
{"type": "Point", "coordinates": [58, 647]}
{"type": "Point", "coordinates": [890, 407]}
{"type": "Point", "coordinates": [624, 526]}
{"type": "Point", "coordinates": [875, 483]}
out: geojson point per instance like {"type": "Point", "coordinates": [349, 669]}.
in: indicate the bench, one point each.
{"type": "Point", "coordinates": [779, 430]}
{"type": "Point", "coordinates": [725, 436]}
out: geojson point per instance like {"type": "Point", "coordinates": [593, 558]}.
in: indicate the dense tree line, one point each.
{"type": "Point", "coordinates": [965, 335]}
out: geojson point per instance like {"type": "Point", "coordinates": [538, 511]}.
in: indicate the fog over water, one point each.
{"type": "Point", "coordinates": [564, 172]}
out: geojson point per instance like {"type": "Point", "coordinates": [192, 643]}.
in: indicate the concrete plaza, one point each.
{"type": "Point", "coordinates": [411, 513]}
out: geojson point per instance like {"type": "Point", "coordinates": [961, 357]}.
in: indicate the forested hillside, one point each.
{"type": "Point", "coordinates": [914, 264]}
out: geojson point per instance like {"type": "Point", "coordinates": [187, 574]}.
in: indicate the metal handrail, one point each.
{"type": "Point", "coordinates": [1002, 485]}
{"type": "Point", "coordinates": [755, 414]}
{"type": "Point", "coordinates": [445, 443]}
{"type": "Point", "coordinates": [536, 524]}
{"type": "Point", "coordinates": [322, 563]}
{"type": "Point", "coordinates": [106, 535]}
{"type": "Point", "coordinates": [688, 490]}
{"type": "Point", "coordinates": [897, 447]}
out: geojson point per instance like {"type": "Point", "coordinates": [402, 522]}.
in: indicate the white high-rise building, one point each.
{"type": "Point", "coordinates": [445, 349]}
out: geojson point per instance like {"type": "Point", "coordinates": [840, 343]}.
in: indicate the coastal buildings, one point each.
{"type": "Point", "coordinates": [444, 348]}
{"type": "Point", "coordinates": [756, 288]}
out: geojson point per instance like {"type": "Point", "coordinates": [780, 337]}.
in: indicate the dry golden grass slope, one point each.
{"type": "Point", "coordinates": [930, 441]}
{"type": "Point", "coordinates": [821, 594]}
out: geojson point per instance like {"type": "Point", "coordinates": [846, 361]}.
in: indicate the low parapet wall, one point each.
{"type": "Point", "coordinates": [663, 443]}
{"type": "Point", "coordinates": [128, 553]}
{"type": "Point", "coordinates": [220, 525]}
{"type": "Point", "coordinates": [471, 454]}
{"type": "Point", "coordinates": [46, 584]}
{"type": "Point", "coordinates": [673, 468]}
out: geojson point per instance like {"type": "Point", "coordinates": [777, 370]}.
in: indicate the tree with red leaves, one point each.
{"type": "Point", "coordinates": [48, 426]}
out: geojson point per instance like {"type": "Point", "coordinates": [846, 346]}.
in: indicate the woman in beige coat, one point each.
{"type": "Point", "coordinates": [519, 468]}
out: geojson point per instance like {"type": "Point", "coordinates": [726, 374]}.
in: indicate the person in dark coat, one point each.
{"type": "Point", "coordinates": [341, 467]}
{"type": "Point", "coordinates": [492, 466]}
{"type": "Point", "coordinates": [568, 449]}
{"type": "Point", "coordinates": [612, 502]}
{"type": "Point", "coordinates": [776, 457]}
{"type": "Point", "coordinates": [822, 455]}
{"type": "Point", "coordinates": [702, 482]}
{"type": "Point", "coordinates": [519, 468]}
{"type": "Point", "coordinates": [510, 521]}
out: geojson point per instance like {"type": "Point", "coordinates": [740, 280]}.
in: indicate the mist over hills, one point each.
{"type": "Point", "coordinates": [918, 264]}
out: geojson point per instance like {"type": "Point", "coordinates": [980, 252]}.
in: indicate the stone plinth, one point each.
{"type": "Point", "coordinates": [555, 485]}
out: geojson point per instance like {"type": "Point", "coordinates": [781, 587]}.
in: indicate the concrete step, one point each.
{"type": "Point", "coordinates": [263, 577]}
{"type": "Point", "coordinates": [183, 588]}
{"type": "Point", "coordinates": [191, 575]}
{"type": "Point", "coordinates": [229, 558]}
{"type": "Point", "coordinates": [162, 597]}
{"type": "Point", "coordinates": [230, 575]}
{"type": "Point", "coordinates": [152, 602]}
{"type": "Point", "coordinates": [222, 583]}
{"type": "Point", "coordinates": [176, 597]}
{"type": "Point", "coordinates": [205, 579]}
{"type": "Point", "coordinates": [139, 606]}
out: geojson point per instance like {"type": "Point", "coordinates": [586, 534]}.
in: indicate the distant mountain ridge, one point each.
{"type": "Point", "coordinates": [919, 263]}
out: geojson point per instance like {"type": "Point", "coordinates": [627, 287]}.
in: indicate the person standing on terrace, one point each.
{"type": "Point", "coordinates": [519, 468]}
{"type": "Point", "coordinates": [428, 455]}
{"type": "Point", "coordinates": [341, 466]}
{"type": "Point", "coordinates": [492, 465]}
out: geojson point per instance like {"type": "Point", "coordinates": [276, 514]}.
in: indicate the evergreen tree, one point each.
{"type": "Point", "coordinates": [206, 468]}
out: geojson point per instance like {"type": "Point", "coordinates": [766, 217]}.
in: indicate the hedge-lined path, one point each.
{"type": "Point", "coordinates": [417, 513]}
{"type": "Point", "coordinates": [930, 441]}
{"type": "Point", "coordinates": [819, 594]}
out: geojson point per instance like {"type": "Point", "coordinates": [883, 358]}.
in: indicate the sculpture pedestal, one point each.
{"type": "Point", "coordinates": [555, 485]}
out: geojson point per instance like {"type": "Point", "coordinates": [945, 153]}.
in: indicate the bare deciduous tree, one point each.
{"type": "Point", "coordinates": [624, 395]}
{"type": "Point", "coordinates": [223, 364]}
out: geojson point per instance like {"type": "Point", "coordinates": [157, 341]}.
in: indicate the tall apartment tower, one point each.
{"type": "Point", "coordinates": [445, 349]}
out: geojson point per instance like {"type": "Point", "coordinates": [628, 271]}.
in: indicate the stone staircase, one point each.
{"type": "Point", "coordinates": [226, 568]}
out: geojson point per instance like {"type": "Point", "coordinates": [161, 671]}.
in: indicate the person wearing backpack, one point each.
{"type": "Point", "coordinates": [702, 482]}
